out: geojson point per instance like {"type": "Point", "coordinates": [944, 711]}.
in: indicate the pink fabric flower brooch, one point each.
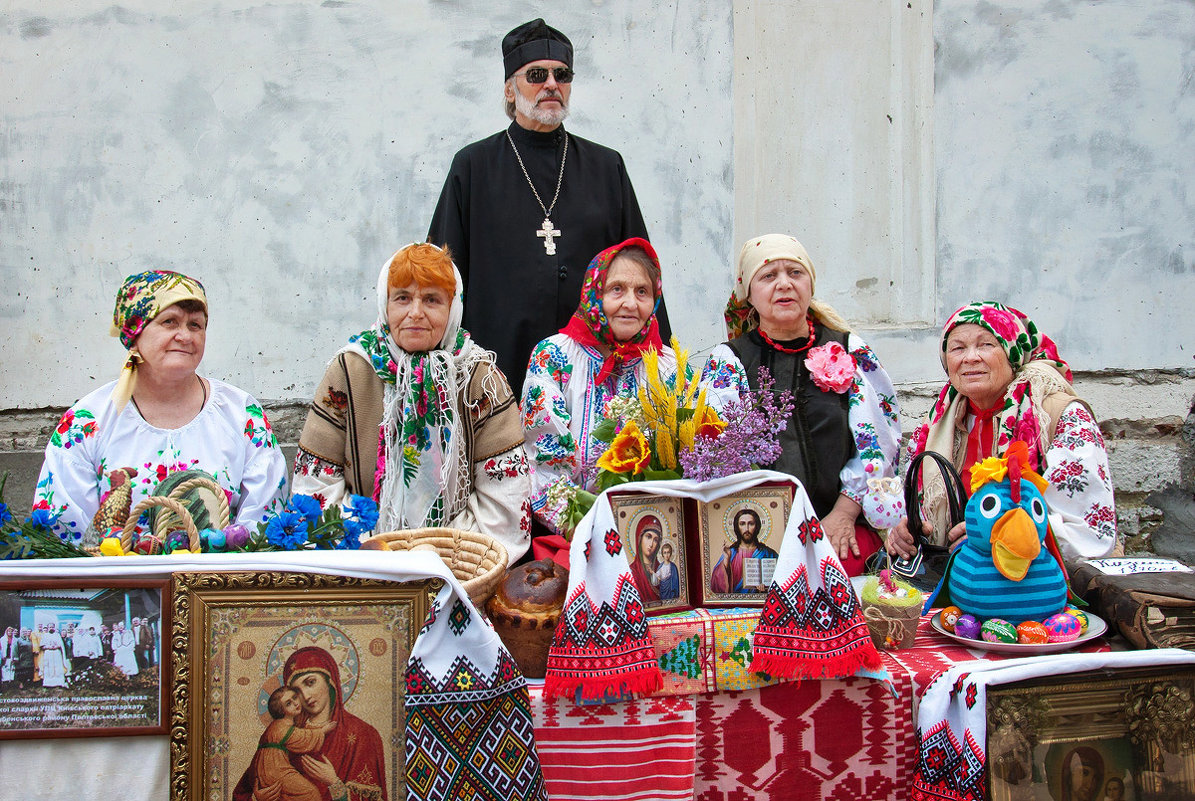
{"type": "Point", "coordinates": [832, 368]}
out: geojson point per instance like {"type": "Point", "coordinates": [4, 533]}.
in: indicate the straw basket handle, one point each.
{"type": "Point", "coordinates": [180, 511]}
{"type": "Point", "coordinates": [166, 523]}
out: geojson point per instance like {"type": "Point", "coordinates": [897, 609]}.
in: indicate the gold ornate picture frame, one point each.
{"type": "Point", "coordinates": [1126, 735]}
{"type": "Point", "coordinates": [652, 529]}
{"type": "Point", "coordinates": [264, 663]}
{"type": "Point", "coordinates": [83, 657]}
{"type": "Point", "coordinates": [751, 521]}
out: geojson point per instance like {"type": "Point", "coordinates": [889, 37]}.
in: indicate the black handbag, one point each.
{"type": "Point", "coordinates": [924, 569]}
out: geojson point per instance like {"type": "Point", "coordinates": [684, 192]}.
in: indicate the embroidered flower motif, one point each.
{"type": "Point", "coordinates": [613, 542]}
{"type": "Point", "coordinates": [832, 368]}
{"type": "Point", "coordinates": [628, 453]}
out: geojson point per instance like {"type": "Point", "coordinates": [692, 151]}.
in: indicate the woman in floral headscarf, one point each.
{"type": "Point", "coordinates": [1008, 383]}
{"type": "Point", "coordinates": [119, 443]}
{"type": "Point", "coordinates": [844, 429]}
{"type": "Point", "coordinates": [597, 357]}
{"type": "Point", "coordinates": [417, 416]}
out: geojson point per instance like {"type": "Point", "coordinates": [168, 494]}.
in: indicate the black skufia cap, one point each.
{"type": "Point", "coordinates": [534, 41]}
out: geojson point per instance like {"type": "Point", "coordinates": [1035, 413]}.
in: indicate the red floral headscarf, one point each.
{"type": "Point", "coordinates": [589, 325]}
{"type": "Point", "coordinates": [1038, 372]}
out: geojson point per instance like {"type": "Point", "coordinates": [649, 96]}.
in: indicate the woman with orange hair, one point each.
{"type": "Point", "coordinates": [417, 416]}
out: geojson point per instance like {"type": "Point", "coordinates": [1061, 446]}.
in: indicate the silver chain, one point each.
{"type": "Point", "coordinates": [559, 179]}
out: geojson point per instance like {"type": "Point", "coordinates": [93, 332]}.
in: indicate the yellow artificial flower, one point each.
{"type": "Point", "coordinates": [110, 546]}
{"type": "Point", "coordinates": [628, 453]}
{"type": "Point", "coordinates": [992, 468]}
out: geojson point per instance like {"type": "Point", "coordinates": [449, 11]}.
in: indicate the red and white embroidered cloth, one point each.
{"type": "Point", "coordinates": [846, 738]}
{"type": "Point", "coordinates": [814, 740]}
{"type": "Point", "coordinates": [811, 624]}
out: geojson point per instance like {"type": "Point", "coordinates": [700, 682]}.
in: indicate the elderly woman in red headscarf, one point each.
{"type": "Point", "coordinates": [351, 764]}
{"type": "Point", "coordinates": [1008, 383]}
{"type": "Point", "coordinates": [597, 357]}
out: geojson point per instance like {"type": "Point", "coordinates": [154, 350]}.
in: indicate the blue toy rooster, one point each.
{"type": "Point", "coordinates": [1008, 566]}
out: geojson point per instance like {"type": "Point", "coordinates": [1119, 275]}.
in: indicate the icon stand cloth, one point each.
{"type": "Point", "coordinates": [811, 624]}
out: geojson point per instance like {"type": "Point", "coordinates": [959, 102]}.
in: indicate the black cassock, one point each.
{"type": "Point", "coordinates": [515, 293]}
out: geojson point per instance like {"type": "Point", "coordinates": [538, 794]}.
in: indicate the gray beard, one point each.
{"type": "Point", "coordinates": [543, 116]}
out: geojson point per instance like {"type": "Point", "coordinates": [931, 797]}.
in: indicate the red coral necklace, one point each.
{"type": "Point", "coordinates": [783, 349]}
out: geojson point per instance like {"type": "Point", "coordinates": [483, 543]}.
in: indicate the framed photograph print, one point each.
{"type": "Point", "coordinates": [272, 667]}
{"type": "Point", "coordinates": [738, 539]}
{"type": "Point", "coordinates": [1122, 735]}
{"type": "Point", "coordinates": [653, 537]}
{"type": "Point", "coordinates": [83, 658]}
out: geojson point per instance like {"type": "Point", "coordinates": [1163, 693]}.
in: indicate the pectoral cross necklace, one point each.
{"type": "Point", "coordinates": [547, 231]}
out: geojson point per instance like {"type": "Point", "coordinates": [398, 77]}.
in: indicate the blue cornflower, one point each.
{"type": "Point", "coordinates": [306, 507]}
{"type": "Point", "coordinates": [351, 540]}
{"type": "Point", "coordinates": [287, 530]}
{"type": "Point", "coordinates": [5, 515]}
{"type": "Point", "coordinates": [362, 514]}
{"type": "Point", "coordinates": [42, 518]}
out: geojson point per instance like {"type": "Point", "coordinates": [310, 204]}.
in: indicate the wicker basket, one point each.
{"type": "Point", "coordinates": [180, 512]}
{"type": "Point", "coordinates": [477, 560]}
{"type": "Point", "coordinates": [169, 521]}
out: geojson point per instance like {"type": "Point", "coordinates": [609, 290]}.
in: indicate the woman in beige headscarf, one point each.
{"type": "Point", "coordinates": [844, 429]}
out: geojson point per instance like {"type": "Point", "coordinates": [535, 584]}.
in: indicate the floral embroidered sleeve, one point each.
{"type": "Point", "coordinates": [68, 488]}
{"type": "Point", "coordinates": [1082, 508]}
{"type": "Point", "coordinates": [551, 449]}
{"type": "Point", "coordinates": [874, 419]}
{"type": "Point", "coordinates": [319, 465]}
{"type": "Point", "coordinates": [724, 377]}
{"type": "Point", "coordinates": [263, 483]}
{"type": "Point", "coordinates": [500, 501]}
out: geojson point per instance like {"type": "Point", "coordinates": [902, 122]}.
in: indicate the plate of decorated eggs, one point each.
{"type": "Point", "coordinates": [1061, 632]}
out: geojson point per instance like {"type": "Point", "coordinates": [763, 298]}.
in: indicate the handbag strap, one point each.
{"type": "Point", "coordinates": [956, 498]}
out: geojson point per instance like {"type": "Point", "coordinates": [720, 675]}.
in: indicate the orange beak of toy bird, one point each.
{"type": "Point", "coordinates": [1015, 544]}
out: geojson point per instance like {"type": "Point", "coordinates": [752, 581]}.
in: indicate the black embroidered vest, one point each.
{"type": "Point", "coordinates": [817, 441]}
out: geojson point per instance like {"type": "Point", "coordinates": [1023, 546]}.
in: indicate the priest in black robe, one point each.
{"type": "Point", "coordinates": [525, 210]}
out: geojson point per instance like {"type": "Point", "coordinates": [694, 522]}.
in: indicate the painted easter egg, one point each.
{"type": "Point", "coordinates": [1032, 633]}
{"type": "Point", "coordinates": [1062, 627]}
{"type": "Point", "coordinates": [148, 544]}
{"type": "Point", "coordinates": [950, 617]}
{"type": "Point", "coordinates": [967, 626]}
{"type": "Point", "coordinates": [997, 630]}
{"type": "Point", "coordinates": [1079, 615]}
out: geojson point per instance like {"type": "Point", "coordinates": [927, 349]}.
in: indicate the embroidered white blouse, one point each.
{"type": "Point", "coordinates": [562, 404]}
{"type": "Point", "coordinates": [230, 439]}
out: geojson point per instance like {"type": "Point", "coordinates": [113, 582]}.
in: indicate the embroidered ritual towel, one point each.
{"type": "Point", "coordinates": [952, 718]}
{"type": "Point", "coordinates": [469, 730]}
{"type": "Point", "coordinates": [811, 624]}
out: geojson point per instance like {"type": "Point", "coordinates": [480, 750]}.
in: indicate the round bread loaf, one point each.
{"type": "Point", "coordinates": [525, 609]}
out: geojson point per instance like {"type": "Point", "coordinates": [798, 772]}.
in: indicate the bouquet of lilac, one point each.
{"type": "Point", "coordinates": [751, 437]}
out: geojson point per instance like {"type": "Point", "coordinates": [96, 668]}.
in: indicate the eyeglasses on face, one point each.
{"type": "Point", "coordinates": [540, 74]}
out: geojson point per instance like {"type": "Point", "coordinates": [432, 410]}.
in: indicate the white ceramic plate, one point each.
{"type": "Point", "coordinates": [1095, 627]}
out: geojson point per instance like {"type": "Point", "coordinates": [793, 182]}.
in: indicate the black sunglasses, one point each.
{"type": "Point", "coordinates": [540, 74]}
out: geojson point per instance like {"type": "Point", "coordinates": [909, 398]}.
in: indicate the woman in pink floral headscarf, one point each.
{"type": "Point", "coordinates": [844, 428]}
{"type": "Point", "coordinates": [1008, 383]}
